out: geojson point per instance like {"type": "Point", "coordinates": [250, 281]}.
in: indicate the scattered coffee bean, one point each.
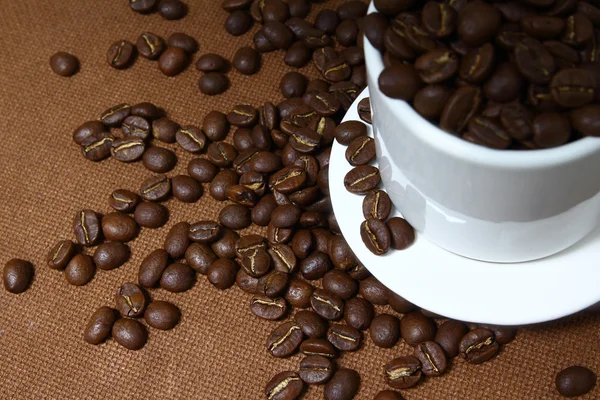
{"type": "Point", "coordinates": [200, 256]}
{"type": "Point", "coordinates": [186, 189]}
{"type": "Point", "coordinates": [165, 130]}
{"type": "Point", "coordinates": [312, 325]}
{"type": "Point", "coordinates": [130, 333]}
{"type": "Point", "coordinates": [225, 247]}
{"type": "Point", "coordinates": [202, 170]}
{"type": "Point", "coordinates": [340, 283]}
{"type": "Point", "coordinates": [358, 313]}
{"type": "Point", "coordinates": [130, 300]}
{"type": "Point", "coordinates": [173, 61]}
{"type": "Point", "coordinates": [222, 273]}
{"type": "Point", "coordinates": [177, 278]}
{"type": "Point", "coordinates": [377, 204]}
{"type": "Point", "coordinates": [401, 232]}
{"type": "Point", "coordinates": [111, 255]}
{"type": "Point", "coordinates": [449, 335]}
{"type": "Point", "coordinates": [403, 372]}
{"type": "Point", "coordinates": [327, 304]}
{"type": "Point", "coordinates": [205, 231]}
{"type": "Point", "coordinates": [375, 235]}
{"type": "Point", "coordinates": [156, 188]}
{"type": "Point", "coordinates": [60, 254]}
{"type": "Point", "coordinates": [87, 227]}
{"type": "Point", "coordinates": [121, 54]}
{"type": "Point", "coordinates": [119, 227]}
{"type": "Point", "coordinates": [388, 395]}
{"type": "Point", "coordinates": [284, 340]}
{"type": "Point", "coordinates": [432, 357]}
{"type": "Point", "coordinates": [478, 346]}
{"type": "Point", "coordinates": [162, 315]}
{"type": "Point", "coordinates": [293, 84]}
{"type": "Point", "coordinates": [177, 242]}
{"type": "Point", "coordinates": [172, 9]}
{"type": "Point", "coordinates": [213, 83]}
{"type": "Point", "coordinates": [128, 149]}
{"type": "Point", "coordinates": [87, 130]}
{"type": "Point", "coordinates": [238, 23]}
{"type": "Point", "coordinates": [64, 64]}
{"type": "Point", "coordinates": [150, 45]}
{"type": "Point", "coordinates": [100, 325]}
{"type": "Point", "coordinates": [502, 334]}
{"type": "Point", "coordinates": [235, 216]}
{"type": "Point", "coordinates": [151, 215]}
{"type": "Point", "coordinates": [362, 179]}
{"type": "Point", "coordinates": [184, 41]}
{"type": "Point", "coordinates": [80, 270]}
{"type": "Point", "coordinates": [247, 61]}
{"type": "Point", "coordinates": [344, 337]}
{"type": "Point", "coordinates": [215, 126]}
{"type": "Point", "coordinates": [385, 330]}
{"type": "Point", "coordinates": [97, 147]}
{"type": "Point", "coordinates": [416, 328]}
{"type": "Point", "coordinates": [17, 275]}
{"type": "Point", "coordinates": [285, 385]}
{"type": "Point", "coordinates": [299, 293]}
{"type": "Point", "coordinates": [159, 160]}
{"type": "Point", "coordinates": [344, 384]}
{"type": "Point", "coordinates": [361, 151]}
{"type": "Point", "coordinates": [269, 309]}
{"type": "Point", "coordinates": [212, 62]}
{"type": "Point", "coordinates": [575, 381]}
{"type": "Point", "coordinates": [152, 268]}
{"type": "Point", "coordinates": [273, 285]}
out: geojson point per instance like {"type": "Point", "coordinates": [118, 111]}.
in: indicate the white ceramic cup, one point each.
{"type": "Point", "coordinates": [490, 205]}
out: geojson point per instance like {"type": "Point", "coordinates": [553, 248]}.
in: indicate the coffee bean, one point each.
{"type": "Point", "coordinates": [238, 23]}
{"type": "Point", "coordinates": [399, 303]}
{"type": "Point", "coordinates": [403, 372]}
{"type": "Point", "coordinates": [502, 334]}
{"type": "Point", "coordinates": [156, 188]}
{"type": "Point", "coordinates": [186, 189]}
{"type": "Point", "coordinates": [87, 130]}
{"type": "Point", "coordinates": [97, 147]}
{"type": "Point", "coordinates": [152, 268]}
{"type": "Point", "coordinates": [575, 381]}
{"type": "Point", "coordinates": [478, 346]}
{"type": "Point", "coordinates": [551, 130]}
{"type": "Point", "coordinates": [437, 65]}
{"type": "Point", "coordinates": [215, 126]}
{"type": "Point", "coordinates": [416, 328]}
{"type": "Point", "coordinates": [269, 309]}
{"type": "Point", "coordinates": [205, 232]}
{"type": "Point", "coordinates": [111, 255]}
{"type": "Point", "coordinates": [339, 283]}
{"type": "Point", "coordinates": [283, 386]}
{"type": "Point", "coordinates": [273, 285]}
{"type": "Point", "coordinates": [585, 120]}
{"type": "Point", "coordinates": [517, 119]}
{"type": "Point", "coordinates": [316, 370]}
{"type": "Point", "coordinates": [178, 278]}
{"type": "Point", "coordinates": [283, 258]}
{"type": "Point", "coordinates": [212, 62]}
{"type": "Point", "coordinates": [121, 54]}
{"type": "Point", "coordinates": [477, 23]}
{"type": "Point", "coordinates": [191, 139]}
{"type": "Point", "coordinates": [159, 159]}
{"type": "Point", "coordinates": [534, 61]}
{"type": "Point", "coordinates": [461, 106]}
{"type": "Point", "coordinates": [358, 313]}
{"type": "Point", "coordinates": [340, 253]}
{"type": "Point", "coordinates": [375, 235]}
{"type": "Point", "coordinates": [261, 43]}
{"type": "Point", "coordinates": [235, 216]}
{"type": "Point", "coordinates": [222, 272]}
{"type": "Point", "coordinates": [87, 227]}
{"type": "Point", "coordinates": [362, 179]}
{"type": "Point", "coordinates": [377, 204]}
{"type": "Point", "coordinates": [327, 21]}
{"type": "Point", "coordinates": [199, 256]}
{"type": "Point", "coordinates": [345, 382]}
{"type": "Point", "coordinates": [151, 215]}
{"type": "Point", "coordinates": [477, 64]}
{"type": "Point", "coordinates": [361, 151]}
{"type": "Point", "coordinates": [284, 340]}
{"type": "Point", "coordinates": [142, 6]}
{"type": "Point", "coordinates": [564, 56]}
{"type": "Point", "coordinates": [213, 83]}
{"type": "Point", "coordinates": [299, 293]}
{"type": "Point", "coordinates": [100, 325]}
{"type": "Point", "coordinates": [344, 337]}
{"type": "Point", "coordinates": [177, 242]}
{"type": "Point", "coordinates": [388, 395]}
{"type": "Point", "coordinates": [173, 61]}
{"type": "Point", "coordinates": [243, 115]}
{"type": "Point", "coordinates": [221, 182]}
{"type": "Point", "coordinates": [542, 27]}
{"type": "Point", "coordinates": [128, 149]}
{"type": "Point", "coordinates": [256, 262]}
{"type": "Point", "coordinates": [162, 315]}
{"type": "Point", "coordinates": [17, 275]}
{"type": "Point", "coordinates": [318, 347]}
{"type": "Point", "coordinates": [488, 133]}
{"type": "Point", "coordinates": [184, 41]}
{"type": "Point", "coordinates": [150, 45]}
{"type": "Point", "coordinates": [119, 227]}
{"type": "Point", "coordinates": [130, 333]}
{"type": "Point", "coordinates": [578, 30]}
{"type": "Point", "coordinates": [385, 330]}
{"type": "Point", "coordinates": [165, 130]}
{"type": "Point", "coordinates": [573, 87]}
{"type": "Point", "coordinates": [246, 282]}
{"type": "Point", "coordinates": [135, 127]}
{"type": "Point", "coordinates": [80, 270]}
{"type": "Point", "coordinates": [278, 34]}
{"type": "Point", "coordinates": [505, 84]}
{"type": "Point", "coordinates": [247, 60]}
{"type": "Point", "coordinates": [346, 33]}
{"type": "Point", "coordinates": [130, 300]}
{"type": "Point", "coordinates": [225, 247]}
{"type": "Point", "coordinates": [172, 9]}
{"type": "Point", "coordinates": [315, 265]}
{"type": "Point", "coordinates": [64, 64]}
{"type": "Point", "coordinates": [312, 325]}
{"type": "Point", "coordinates": [298, 55]}
{"type": "Point", "coordinates": [448, 336]}
{"type": "Point", "coordinates": [115, 115]}
{"type": "Point", "coordinates": [327, 304]}
{"type": "Point", "coordinates": [60, 254]}
{"type": "Point", "coordinates": [202, 170]}
{"type": "Point", "coordinates": [293, 84]}
{"type": "Point", "coordinates": [432, 358]}
{"type": "Point", "coordinates": [242, 195]}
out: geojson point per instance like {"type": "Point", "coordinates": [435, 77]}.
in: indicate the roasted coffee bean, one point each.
{"type": "Point", "coordinates": [279, 235]}
{"type": "Point", "coordinates": [215, 126]}
{"type": "Point", "coordinates": [478, 346]}
{"type": "Point", "coordinates": [177, 241]}
{"type": "Point", "coordinates": [375, 235]}
{"type": "Point", "coordinates": [150, 45]}
{"type": "Point", "coordinates": [302, 243]}
{"type": "Point", "coordinates": [416, 328]}
{"type": "Point", "coordinates": [461, 106]}
{"type": "Point", "coordinates": [87, 227]}
{"type": "Point", "coordinates": [315, 265]}
{"type": "Point", "coordinates": [534, 61]}
{"type": "Point", "coordinates": [439, 19]}
{"type": "Point", "coordinates": [191, 139]}
{"type": "Point", "coordinates": [502, 334]}
{"type": "Point", "coordinates": [293, 84]}
{"type": "Point", "coordinates": [399, 303]}
{"type": "Point", "coordinates": [377, 204]}
{"type": "Point", "coordinates": [358, 313]}
{"type": "Point", "coordinates": [221, 182]}
{"type": "Point", "coordinates": [374, 26]}
{"type": "Point", "coordinates": [299, 8]}
{"type": "Point", "coordinates": [449, 335]}
{"type": "Point", "coordinates": [336, 70]}
{"type": "Point", "coordinates": [156, 188]}
{"type": "Point", "coordinates": [121, 54]}
{"type": "Point", "coordinates": [261, 43]}
{"type": "Point", "coordinates": [80, 270]}
{"type": "Point", "coordinates": [578, 30]}
{"type": "Point", "coordinates": [477, 64]}
{"type": "Point", "coordinates": [340, 253]}
{"type": "Point", "coordinates": [165, 130]}
{"type": "Point", "coordinates": [261, 212]}
{"type": "Point", "coordinates": [477, 23]}
{"type": "Point", "coordinates": [200, 256]}
{"type": "Point", "coordinates": [364, 110]}
{"type": "Point", "coordinates": [269, 309]}
{"type": "Point", "coordinates": [256, 262]}
{"type": "Point", "coordinates": [283, 258]}
{"type": "Point", "coordinates": [339, 283]}
{"type": "Point", "coordinates": [130, 300]}
{"type": "Point", "coordinates": [130, 333]}
{"type": "Point", "coordinates": [432, 358]}
{"type": "Point", "coordinates": [17, 275]}
{"type": "Point", "coordinates": [151, 215]}
{"type": "Point", "coordinates": [575, 381]}
{"type": "Point", "coordinates": [403, 372]}
{"type": "Point", "coordinates": [232, 5]}
{"type": "Point", "coordinates": [385, 330]}
{"type": "Point", "coordinates": [100, 325]}
{"type": "Point", "coordinates": [285, 385]}
{"type": "Point", "coordinates": [221, 273]}
{"type": "Point", "coordinates": [111, 255]}
{"type": "Point", "coordinates": [128, 149]}
{"type": "Point", "coordinates": [327, 20]}
{"type": "Point", "coordinates": [273, 285]}
{"type": "Point", "coordinates": [159, 159]}
{"type": "Point", "coordinates": [274, 10]}
{"type": "Point", "coordinates": [305, 140]}
{"type": "Point", "coordinates": [361, 151]}
{"type": "Point", "coordinates": [316, 370]}
{"type": "Point", "coordinates": [247, 60]}
{"type": "Point", "coordinates": [327, 304]}
{"type": "Point", "coordinates": [212, 62]}
{"type": "Point", "coordinates": [564, 56]}
{"type": "Point", "coordinates": [246, 282]}
{"type": "Point", "coordinates": [321, 239]}
{"type": "Point", "coordinates": [551, 130]}
{"type": "Point", "coordinates": [542, 27]}
{"type": "Point", "coordinates": [225, 246]}
{"type": "Point", "coordinates": [437, 65]}
{"type": "Point", "coordinates": [286, 216]}
{"type": "Point", "coordinates": [64, 64]}
{"type": "Point", "coordinates": [152, 268]}
{"type": "Point", "coordinates": [87, 130]}
{"type": "Point", "coordinates": [242, 195]}
{"type": "Point", "coordinates": [202, 170]}
{"type": "Point", "coordinates": [359, 272]}
{"type": "Point", "coordinates": [278, 34]}
{"type": "Point", "coordinates": [345, 382]}
{"type": "Point", "coordinates": [284, 340]}
{"type": "Point", "coordinates": [60, 254]}
{"type": "Point", "coordinates": [299, 293]}
{"type": "Point", "coordinates": [312, 325]}
{"type": "Point", "coordinates": [183, 41]}
{"type": "Point", "coordinates": [298, 55]}
{"type": "Point", "coordinates": [178, 278]}
{"type": "Point", "coordinates": [173, 61]}
{"type": "Point", "coordinates": [362, 179]}
{"type": "Point", "coordinates": [186, 188]}
{"type": "Point", "coordinates": [162, 315]}
{"type": "Point", "coordinates": [213, 83]}
{"type": "Point", "coordinates": [585, 120]}
{"type": "Point", "coordinates": [388, 395]}
{"type": "Point", "coordinates": [488, 133]}
{"type": "Point", "coordinates": [344, 337]}
{"type": "Point", "coordinates": [135, 127]}
{"type": "Point", "coordinates": [243, 115]}
{"type": "Point", "coordinates": [172, 9]}
{"type": "Point", "coordinates": [517, 119]}
{"type": "Point", "coordinates": [504, 85]}
{"type": "Point", "coordinates": [116, 115]}
{"type": "Point", "coordinates": [573, 87]}
{"type": "Point", "coordinates": [346, 33]}
{"type": "Point", "coordinates": [288, 179]}
{"type": "Point", "coordinates": [205, 232]}
{"type": "Point", "coordinates": [235, 216]}
{"type": "Point", "coordinates": [318, 347]}
{"type": "Point", "coordinates": [97, 146]}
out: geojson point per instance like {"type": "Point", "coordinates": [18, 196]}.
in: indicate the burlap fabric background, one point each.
{"type": "Point", "coordinates": [217, 352]}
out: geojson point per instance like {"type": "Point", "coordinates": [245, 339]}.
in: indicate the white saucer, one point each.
{"type": "Point", "coordinates": [466, 289]}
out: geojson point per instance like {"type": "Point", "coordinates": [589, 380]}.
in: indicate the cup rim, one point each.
{"type": "Point", "coordinates": [460, 148]}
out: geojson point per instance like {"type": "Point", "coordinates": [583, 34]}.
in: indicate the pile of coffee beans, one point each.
{"type": "Point", "coordinates": [168, 9]}
{"type": "Point", "coordinates": [122, 324]}
{"type": "Point", "coordinates": [506, 75]}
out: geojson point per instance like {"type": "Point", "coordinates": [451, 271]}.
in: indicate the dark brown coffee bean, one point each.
{"type": "Point", "coordinates": [416, 328]}
{"type": "Point", "coordinates": [249, 244]}
{"type": "Point", "coordinates": [202, 170]}
{"type": "Point", "coordinates": [243, 115]}
{"type": "Point", "coordinates": [564, 56]}
{"type": "Point", "coordinates": [173, 61]}
{"type": "Point", "coordinates": [432, 358]}
{"type": "Point", "coordinates": [439, 18]}
{"type": "Point", "coordinates": [60, 254]}
{"type": "Point", "coordinates": [352, 10]}
{"type": "Point", "coordinates": [377, 204]}
{"type": "Point", "coordinates": [327, 304]}
{"type": "Point", "coordinates": [477, 64]}
{"type": "Point", "coordinates": [477, 23]}
{"type": "Point", "coordinates": [162, 315]}
{"type": "Point", "coordinates": [200, 256]}
{"type": "Point", "coordinates": [437, 66]}
{"type": "Point", "coordinates": [177, 241]}
{"type": "Point", "coordinates": [111, 255]}
{"type": "Point", "coordinates": [502, 334]}
{"type": "Point", "coordinates": [232, 5]}
{"type": "Point", "coordinates": [299, 293]}
{"type": "Point", "coordinates": [478, 346]}
{"type": "Point", "coordinates": [312, 325]}
{"type": "Point", "coordinates": [362, 179]}
{"type": "Point", "coordinates": [242, 195]}
{"type": "Point", "coordinates": [273, 285]}
{"type": "Point", "coordinates": [246, 282]}
{"type": "Point", "coordinates": [186, 189]}
{"type": "Point", "coordinates": [517, 119]}
{"type": "Point", "coordinates": [321, 239]}
{"type": "Point", "coordinates": [345, 382]}
{"type": "Point", "coordinates": [165, 130]}
{"type": "Point", "coordinates": [285, 216]}
{"type": "Point", "coordinates": [344, 337]}
{"type": "Point", "coordinates": [184, 41]}
{"type": "Point", "coordinates": [285, 385]}
{"type": "Point", "coordinates": [278, 34]}
{"type": "Point", "coordinates": [121, 54]}
{"type": "Point", "coordinates": [346, 32]}
{"type": "Point", "coordinates": [17, 275]}
{"type": "Point", "coordinates": [87, 130]}
{"type": "Point", "coordinates": [578, 30]}
{"type": "Point", "coordinates": [177, 278]}
{"type": "Point", "coordinates": [298, 55]}
{"type": "Point", "coordinates": [130, 300]}
{"type": "Point", "coordinates": [449, 335]}
{"type": "Point", "coordinates": [205, 232]}
{"type": "Point", "coordinates": [489, 132]}
{"type": "Point", "coordinates": [315, 265]}
{"type": "Point", "coordinates": [399, 303]}
{"type": "Point", "coordinates": [238, 23]}
{"type": "Point", "coordinates": [288, 179]}
{"type": "Point", "coordinates": [385, 330]}
{"type": "Point", "coordinates": [551, 130]}
{"type": "Point", "coordinates": [261, 43]}
{"type": "Point", "coordinates": [358, 313]}
{"type": "Point", "coordinates": [97, 146]}
{"type": "Point", "coordinates": [293, 84]}
{"type": "Point", "coordinates": [151, 215]}
{"type": "Point", "coordinates": [284, 340]}
{"type": "Point", "coordinates": [575, 381]}
{"type": "Point", "coordinates": [359, 272]}
{"type": "Point", "coordinates": [261, 212]}
{"type": "Point", "coordinates": [375, 235]}
{"type": "Point", "coordinates": [156, 188]}
{"type": "Point", "coordinates": [152, 268]}
{"type": "Point", "coordinates": [269, 309]}
{"type": "Point", "coordinates": [150, 45]}
{"type": "Point", "coordinates": [316, 370]}
{"type": "Point", "coordinates": [130, 333]}
{"type": "Point", "coordinates": [573, 87]}
{"type": "Point", "coordinates": [340, 253]}
{"type": "Point", "coordinates": [400, 82]}
{"type": "Point", "coordinates": [172, 9]}
{"type": "Point", "coordinates": [374, 291]}
{"type": "Point", "coordinates": [374, 27]}
{"type": "Point", "coordinates": [403, 372]}
{"type": "Point", "coordinates": [461, 106]}
{"type": "Point", "coordinates": [213, 83]}
{"type": "Point", "coordinates": [100, 325]}
{"type": "Point", "coordinates": [128, 149]}
{"type": "Point", "coordinates": [159, 159]}
{"type": "Point", "coordinates": [64, 64]}
{"type": "Point", "coordinates": [215, 126]}
{"type": "Point", "coordinates": [80, 270]}
{"type": "Point", "coordinates": [211, 62]}
{"type": "Point", "coordinates": [327, 20]}
{"type": "Point", "coordinates": [221, 182]}
{"type": "Point", "coordinates": [346, 132]}
{"type": "Point", "coordinates": [256, 263]}
{"type": "Point", "coordinates": [534, 61]}
{"type": "Point", "coordinates": [542, 27]}
{"type": "Point", "coordinates": [247, 61]}
{"type": "Point", "coordinates": [361, 151]}
{"type": "Point", "coordinates": [135, 127]}
{"type": "Point", "coordinates": [191, 139]}
{"type": "Point", "coordinates": [235, 216]}
{"type": "Point", "coordinates": [585, 120]}
{"type": "Point", "coordinates": [116, 115]}
{"type": "Point", "coordinates": [388, 395]}
{"type": "Point", "coordinates": [339, 283]}
{"type": "Point", "coordinates": [221, 273]}
{"type": "Point", "coordinates": [283, 258]}
{"type": "Point", "coordinates": [505, 84]}
{"type": "Point", "coordinates": [318, 347]}
{"type": "Point", "coordinates": [87, 227]}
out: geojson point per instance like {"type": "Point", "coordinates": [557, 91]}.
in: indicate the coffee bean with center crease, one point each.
{"type": "Point", "coordinates": [432, 357]}
{"type": "Point", "coordinates": [534, 61]}
{"type": "Point", "coordinates": [278, 34]}
{"type": "Point", "coordinates": [247, 60]}
{"type": "Point", "coordinates": [312, 325]}
{"type": "Point", "coordinates": [177, 278]}
{"type": "Point", "coordinates": [128, 149]}
{"type": "Point", "coordinates": [17, 275]}
{"type": "Point", "coordinates": [150, 45]}
{"type": "Point", "coordinates": [478, 346]}
{"type": "Point", "coordinates": [186, 189]}
{"type": "Point", "coordinates": [517, 119]}
{"type": "Point", "coordinates": [578, 30]}
{"type": "Point", "coordinates": [416, 328]}
{"type": "Point", "coordinates": [60, 254]}
{"type": "Point", "coordinates": [385, 330]}
{"type": "Point", "coordinates": [172, 9]}
{"type": "Point", "coordinates": [225, 246]}
{"type": "Point", "coordinates": [242, 195]}
{"type": "Point", "coordinates": [448, 336]}
{"type": "Point", "coordinates": [283, 258]}
{"type": "Point", "coordinates": [343, 385]}
{"type": "Point", "coordinates": [87, 227]}
{"type": "Point", "coordinates": [273, 285]}
{"type": "Point", "coordinates": [284, 340]}
{"type": "Point", "coordinates": [162, 315]}
{"type": "Point", "coordinates": [119, 227]}
{"type": "Point", "coordinates": [361, 151]}
{"type": "Point", "coordinates": [375, 235]}
{"type": "Point", "coordinates": [243, 115]}
{"type": "Point", "coordinates": [269, 309]}
{"type": "Point", "coordinates": [222, 273]}
{"type": "Point", "coordinates": [502, 334]}
{"type": "Point", "coordinates": [115, 115]}
{"type": "Point", "coordinates": [130, 333]}
{"type": "Point", "coordinates": [362, 179]}
{"type": "Point", "coordinates": [488, 133]}
{"type": "Point", "coordinates": [437, 66]}
{"type": "Point", "coordinates": [364, 110]}
{"type": "Point", "coordinates": [461, 106]}
{"type": "Point", "coordinates": [358, 313]}
{"type": "Point", "coordinates": [542, 27]}
{"type": "Point", "coordinates": [152, 268]}
{"type": "Point", "coordinates": [136, 127]}
{"type": "Point", "coordinates": [151, 215]}
{"type": "Point", "coordinates": [256, 262]}
{"type": "Point", "coordinates": [318, 347]}
{"type": "Point", "coordinates": [340, 253]}
{"type": "Point", "coordinates": [199, 256]}
{"type": "Point", "coordinates": [344, 337]}
{"type": "Point", "coordinates": [551, 130]}
{"type": "Point", "coordinates": [575, 381]}
{"type": "Point", "coordinates": [316, 370]}
{"type": "Point", "coordinates": [439, 19]}
{"type": "Point", "coordinates": [285, 385]}
{"type": "Point", "coordinates": [121, 54]}
{"type": "Point", "coordinates": [96, 147]}
{"type": "Point", "coordinates": [111, 255]}
{"type": "Point", "coordinates": [377, 204]}
{"type": "Point", "coordinates": [156, 188]}
{"type": "Point", "coordinates": [80, 270]}
{"type": "Point", "coordinates": [100, 325]}
{"type": "Point", "coordinates": [177, 242]}
{"type": "Point", "coordinates": [191, 139]}
{"type": "Point", "coordinates": [573, 87]}
{"type": "Point", "coordinates": [327, 304]}
{"type": "Point", "coordinates": [315, 265]}
{"type": "Point", "coordinates": [213, 83]}
{"type": "Point", "coordinates": [130, 300]}
{"type": "Point", "coordinates": [159, 160]}
{"type": "Point", "coordinates": [86, 130]}
{"type": "Point", "coordinates": [403, 372]}
{"type": "Point", "coordinates": [205, 232]}
{"type": "Point", "coordinates": [173, 61]}
{"type": "Point", "coordinates": [477, 64]}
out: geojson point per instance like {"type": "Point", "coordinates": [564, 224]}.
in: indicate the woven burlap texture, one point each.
{"type": "Point", "coordinates": [218, 351]}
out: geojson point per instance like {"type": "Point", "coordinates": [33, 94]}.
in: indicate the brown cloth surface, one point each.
{"type": "Point", "coordinates": [217, 352]}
